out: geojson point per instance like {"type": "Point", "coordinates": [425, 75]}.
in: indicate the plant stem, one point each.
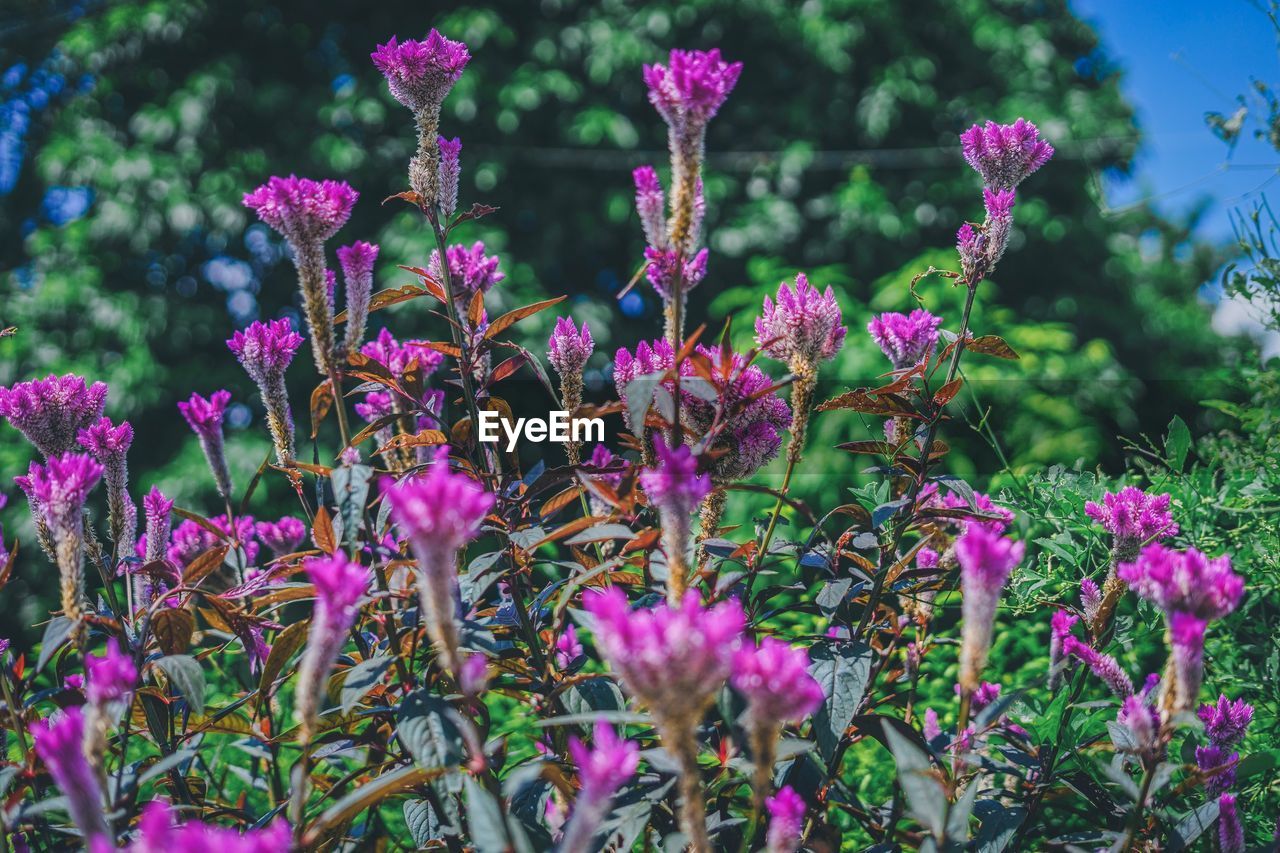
{"type": "Point", "coordinates": [339, 404]}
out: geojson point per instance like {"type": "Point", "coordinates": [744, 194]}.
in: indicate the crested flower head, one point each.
{"type": "Point", "coordinates": [986, 558]}
{"type": "Point", "coordinates": [357, 260]}
{"type": "Point", "coordinates": [265, 349]}
{"type": "Point", "coordinates": [651, 204]}
{"type": "Point", "coordinates": [568, 647]}
{"type": "Point", "coordinates": [675, 486]}
{"type": "Point", "coordinates": [157, 832]}
{"type": "Point", "coordinates": [106, 441]}
{"type": "Point", "coordinates": [190, 539]}
{"type": "Point", "coordinates": [673, 659]}
{"type": "Point", "coordinates": [339, 583]}
{"type": "Point", "coordinates": [112, 677]}
{"type": "Point", "coordinates": [1132, 516]}
{"type": "Point", "coordinates": [689, 90]}
{"type": "Point", "coordinates": [774, 677]}
{"type": "Point", "coordinates": [1005, 154]}
{"type": "Point", "coordinates": [1142, 721]}
{"type": "Point", "coordinates": [283, 536]}
{"type": "Point", "coordinates": [786, 821]}
{"type": "Point", "coordinates": [1090, 598]}
{"type": "Point", "coordinates": [1230, 828]}
{"type": "Point", "coordinates": [1002, 516]}
{"type": "Point", "coordinates": [1060, 625]}
{"type": "Point", "coordinates": [803, 327]}
{"type": "Point", "coordinates": [665, 270]}
{"type": "Point", "coordinates": [450, 172]}
{"type": "Point", "coordinates": [603, 457]}
{"type": "Point", "coordinates": [1186, 581]}
{"type": "Point", "coordinates": [439, 508]}
{"type": "Point", "coordinates": [421, 73]}
{"type": "Point", "coordinates": [157, 510]}
{"type": "Point", "coordinates": [1103, 665]}
{"type": "Point", "coordinates": [1217, 764]}
{"type": "Point", "coordinates": [60, 744]}
{"type": "Point", "coordinates": [905, 339]}
{"type": "Point", "coordinates": [1225, 721]}
{"type": "Point", "coordinates": [568, 349]}
{"type": "Point", "coordinates": [999, 206]}
{"type": "Point", "coordinates": [1186, 641]}
{"type": "Point", "coordinates": [303, 210]}
{"type": "Point", "coordinates": [470, 270]}
{"type": "Point", "coordinates": [52, 411]}
{"type": "Point", "coordinates": [205, 416]}
{"type": "Point", "coordinates": [60, 487]}
{"type": "Point", "coordinates": [605, 766]}
{"type": "Point", "coordinates": [397, 357]}
{"type": "Point", "coordinates": [376, 404]}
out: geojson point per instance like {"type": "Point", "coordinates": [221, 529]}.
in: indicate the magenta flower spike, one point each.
{"type": "Point", "coordinates": [473, 676]}
{"type": "Point", "coordinates": [1225, 721]}
{"type": "Point", "coordinates": [1230, 829]}
{"type": "Point", "coordinates": [803, 327]}
{"type": "Point", "coordinates": [357, 262]}
{"type": "Point", "coordinates": [1005, 154]}
{"type": "Point", "coordinates": [111, 677]}
{"type": "Point", "coordinates": [283, 536]}
{"type": "Point", "coordinates": [1217, 764]}
{"type": "Point", "coordinates": [52, 411]}
{"type": "Point", "coordinates": [1059, 632]}
{"type": "Point", "coordinates": [675, 488]}
{"type": "Point", "coordinates": [774, 677]}
{"type": "Point", "coordinates": [421, 73]}
{"type": "Point", "coordinates": [651, 204]}
{"type": "Point", "coordinates": [1186, 581]}
{"type": "Point", "coordinates": [158, 512]}
{"type": "Point", "coordinates": [1103, 665]}
{"type": "Point", "coordinates": [109, 444]}
{"type": "Point", "coordinates": [398, 357]}
{"type": "Point", "coordinates": [986, 558]}
{"type": "Point", "coordinates": [786, 821]}
{"type": "Point", "coordinates": [1090, 598]}
{"type": "Point", "coordinates": [265, 351]}
{"type": "Point", "coordinates": [1143, 723]}
{"type": "Point", "coordinates": [450, 172]}
{"type": "Point", "coordinates": [340, 586]}
{"type": "Point", "coordinates": [669, 274]}
{"type": "Point", "coordinates": [602, 770]}
{"type": "Point", "coordinates": [905, 339]}
{"type": "Point", "coordinates": [568, 648]}
{"type": "Point", "coordinates": [470, 271]}
{"type": "Point", "coordinates": [753, 429]}
{"type": "Point", "coordinates": [1186, 654]}
{"type": "Point", "coordinates": [1133, 517]}
{"type": "Point", "coordinates": [205, 419]}
{"type": "Point", "coordinates": [158, 832]}
{"type": "Point", "coordinates": [60, 743]}
{"type": "Point", "coordinates": [568, 349]}
{"type": "Point", "coordinates": [440, 511]}
{"type": "Point", "coordinates": [690, 89]}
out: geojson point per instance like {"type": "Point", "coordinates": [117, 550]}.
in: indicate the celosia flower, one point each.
{"type": "Point", "coordinates": [1090, 598]}
{"type": "Point", "coordinates": [1143, 723]}
{"type": "Point", "coordinates": [283, 536]}
{"type": "Point", "coordinates": [689, 90]}
{"type": "Point", "coordinates": [803, 327]}
{"type": "Point", "coordinates": [930, 727]}
{"type": "Point", "coordinates": [1225, 721]}
{"type": "Point", "coordinates": [905, 339]}
{"type": "Point", "coordinates": [473, 676]}
{"type": "Point", "coordinates": [786, 821]}
{"type": "Point", "coordinates": [421, 73]}
{"type": "Point", "coordinates": [60, 744]}
{"type": "Point", "coordinates": [109, 444]}
{"type": "Point", "coordinates": [986, 559]}
{"type": "Point", "coordinates": [675, 487]}
{"type": "Point", "coordinates": [651, 205]}
{"type": "Point", "coordinates": [397, 357]}
{"type": "Point", "coordinates": [1059, 632]}
{"type": "Point", "coordinates": [157, 510]}
{"type": "Point", "coordinates": [568, 349]}
{"type": "Point", "coordinates": [52, 411]}
{"type": "Point", "coordinates": [1218, 765]}
{"type": "Point", "coordinates": [303, 211]}
{"type": "Point", "coordinates": [1186, 581]}
{"type": "Point", "coordinates": [986, 693]}
{"type": "Point", "coordinates": [157, 833]}
{"type": "Point", "coordinates": [190, 539]}
{"type": "Point", "coordinates": [112, 677]}
{"type": "Point", "coordinates": [357, 262]}
{"type": "Point", "coordinates": [1005, 154]}
{"type": "Point", "coordinates": [1230, 829]}
{"type": "Point", "coordinates": [669, 275]}
{"type": "Point", "coordinates": [470, 270]}
{"type": "Point", "coordinates": [205, 418]}
{"type": "Point", "coordinates": [602, 770]}
{"type": "Point", "coordinates": [568, 648]}
{"type": "Point", "coordinates": [983, 504]}
{"type": "Point", "coordinates": [340, 585]}
{"type": "Point", "coordinates": [1103, 665]}
{"type": "Point", "coordinates": [1186, 653]}
{"type": "Point", "coordinates": [775, 679]}
{"type": "Point", "coordinates": [674, 659]}
{"type": "Point", "coordinates": [440, 512]}
{"type": "Point", "coordinates": [450, 172]}
{"type": "Point", "coordinates": [265, 350]}
{"type": "Point", "coordinates": [1133, 517]}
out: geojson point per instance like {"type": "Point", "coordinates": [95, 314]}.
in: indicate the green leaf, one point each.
{"type": "Point", "coordinates": [842, 668]}
{"type": "Point", "coordinates": [428, 728]}
{"type": "Point", "coordinates": [1192, 825]}
{"type": "Point", "coordinates": [1177, 444]}
{"type": "Point", "coordinates": [362, 678]}
{"type": "Point", "coordinates": [926, 798]}
{"type": "Point", "coordinates": [186, 675]}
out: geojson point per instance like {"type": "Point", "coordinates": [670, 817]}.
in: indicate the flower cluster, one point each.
{"type": "Point", "coordinates": [905, 339]}
{"type": "Point", "coordinates": [471, 271]}
{"type": "Point", "coordinates": [803, 327]}
{"type": "Point", "coordinates": [357, 262]}
{"type": "Point", "coordinates": [986, 558]}
{"type": "Point", "coordinates": [265, 351]}
{"type": "Point", "coordinates": [1225, 723]}
{"type": "Point", "coordinates": [340, 585]}
{"type": "Point", "coordinates": [204, 416]}
{"type": "Point", "coordinates": [1133, 518]}
{"type": "Point", "coordinates": [52, 411]}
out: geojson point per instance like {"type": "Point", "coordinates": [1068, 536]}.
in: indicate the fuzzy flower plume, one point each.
{"type": "Point", "coordinates": [157, 511]}
{"type": "Point", "coordinates": [470, 270]}
{"type": "Point", "coordinates": [283, 536]}
{"type": "Point", "coordinates": [357, 262]}
{"type": "Point", "coordinates": [1005, 154]}
{"type": "Point", "coordinates": [205, 419]}
{"type": "Point", "coordinates": [1225, 721]}
{"type": "Point", "coordinates": [398, 357]}
{"type": "Point", "coordinates": [111, 678]}
{"type": "Point", "coordinates": [1059, 632]}
{"type": "Point", "coordinates": [568, 648]}
{"type": "Point", "coordinates": [1186, 657]}
{"type": "Point", "coordinates": [802, 327]}
{"type": "Point", "coordinates": [52, 411]}
{"type": "Point", "coordinates": [1104, 666]}
{"type": "Point", "coordinates": [265, 351]}
{"type": "Point", "coordinates": [109, 444]}
{"type": "Point", "coordinates": [986, 559]}
{"type": "Point", "coordinates": [58, 491]}
{"type": "Point", "coordinates": [651, 204]}
{"type": "Point", "coordinates": [775, 679]}
{"type": "Point", "coordinates": [307, 213]}
{"type": "Point", "coordinates": [568, 349]}
{"type": "Point", "coordinates": [340, 585]}
{"type": "Point", "coordinates": [1230, 828]}
{"type": "Point", "coordinates": [1187, 581]}
{"type": "Point", "coordinates": [669, 274]}
{"type": "Point", "coordinates": [676, 488]}
{"type": "Point", "coordinates": [602, 770]}
{"type": "Point", "coordinates": [786, 821]}
{"type": "Point", "coordinates": [440, 511]}
{"type": "Point", "coordinates": [905, 339]}
{"type": "Point", "coordinates": [1143, 724]}
{"type": "Point", "coordinates": [60, 744]}
{"type": "Point", "coordinates": [691, 88]}
{"type": "Point", "coordinates": [1090, 598]}
{"type": "Point", "coordinates": [157, 832]}
{"type": "Point", "coordinates": [1133, 517]}
{"type": "Point", "coordinates": [450, 173]}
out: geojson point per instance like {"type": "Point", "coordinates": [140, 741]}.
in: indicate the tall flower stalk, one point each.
{"type": "Point", "coordinates": [340, 586]}
{"type": "Point", "coordinates": [205, 419]}
{"type": "Point", "coordinates": [60, 743]}
{"type": "Point", "coordinates": [568, 350]}
{"type": "Point", "coordinates": [265, 351]}
{"type": "Point", "coordinates": [109, 444]}
{"type": "Point", "coordinates": [675, 487]}
{"type": "Point", "coordinates": [357, 262]}
{"type": "Point", "coordinates": [986, 559]}
{"type": "Point", "coordinates": [52, 411]}
{"type": "Point", "coordinates": [602, 770]}
{"type": "Point", "coordinates": [1133, 518]}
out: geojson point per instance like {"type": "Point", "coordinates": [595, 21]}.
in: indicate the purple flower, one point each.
{"type": "Point", "coordinates": [112, 677]}
{"type": "Point", "coordinates": [265, 350]}
{"type": "Point", "coordinates": [60, 488]}
{"type": "Point", "coordinates": [775, 679]}
{"type": "Point", "coordinates": [1005, 154]}
{"type": "Point", "coordinates": [665, 271]}
{"type": "Point", "coordinates": [421, 73]}
{"type": "Point", "coordinates": [470, 270]}
{"type": "Point", "coordinates": [397, 357]}
{"type": "Point", "coordinates": [109, 444]}
{"type": "Point", "coordinates": [60, 744]}
{"type": "Point", "coordinates": [376, 404]}
{"type": "Point", "coordinates": [986, 693]}
{"type": "Point", "coordinates": [689, 90]}
{"type": "Point", "coordinates": [283, 536]}
{"type": "Point", "coordinates": [674, 659]}
{"type": "Point", "coordinates": [651, 205]}
{"type": "Point", "coordinates": [340, 585]}
{"type": "Point", "coordinates": [1103, 665]}
{"type": "Point", "coordinates": [1225, 721]}
{"type": "Point", "coordinates": [930, 727]}
{"type": "Point", "coordinates": [157, 510]}
{"type": "Point", "coordinates": [1230, 829]}
{"type": "Point", "coordinates": [1133, 517]}
{"type": "Point", "coordinates": [602, 770]}
{"type": "Point", "coordinates": [568, 349]}
{"type": "Point", "coordinates": [303, 210]}
{"type": "Point", "coordinates": [157, 833]}
{"type": "Point", "coordinates": [450, 172]}
{"type": "Point", "coordinates": [1059, 632]}
{"type": "Point", "coordinates": [1143, 723]}
{"type": "Point", "coordinates": [1090, 598]}
{"type": "Point", "coordinates": [986, 558]}
{"type": "Point", "coordinates": [568, 649]}
{"type": "Point", "coordinates": [786, 821]}
{"type": "Point", "coordinates": [52, 411]}
{"type": "Point", "coordinates": [357, 262]}
{"type": "Point", "coordinates": [905, 339]}
{"type": "Point", "coordinates": [983, 504]}
{"type": "Point", "coordinates": [205, 418]}
{"type": "Point", "coordinates": [1186, 642]}
{"type": "Point", "coordinates": [1218, 765]}
{"type": "Point", "coordinates": [190, 539]}
{"type": "Point", "coordinates": [473, 677]}
{"type": "Point", "coordinates": [1186, 581]}
{"type": "Point", "coordinates": [675, 487]}
{"type": "Point", "coordinates": [803, 328]}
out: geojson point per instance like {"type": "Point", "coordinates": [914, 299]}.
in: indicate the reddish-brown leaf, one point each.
{"type": "Point", "coordinates": [321, 402]}
{"type": "Point", "coordinates": [948, 392]}
{"type": "Point", "coordinates": [204, 565]}
{"type": "Point", "coordinates": [992, 345]}
{"type": "Point", "coordinates": [508, 367]}
{"type": "Point", "coordinates": [322, 532]}
{"type": "Point", "coordinates": [510, 318]}
{"type": "Point", "coordinates": [425, 438]}
{"type": "Point", "coordinates": [173, 627]}
{"type": "Point", "coordinates": [560, 501]}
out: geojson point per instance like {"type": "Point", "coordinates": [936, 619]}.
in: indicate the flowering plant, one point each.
{"type": "Point", "coordinates": [578, 654]}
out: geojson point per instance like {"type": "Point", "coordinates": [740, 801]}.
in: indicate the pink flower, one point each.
{"type": "Point", "coordinates": [1132, 516]}
{"type": "Point", "coordinates": [1005, 154]}
{"type": "Point", "coordinates": [205, 418]}
{"type": "Point", "coordinates": [340, 585]}
{"type": "Point", "coordinates": [1059, 632]}
{"type": "Point", "coordinates": [905, 339]}
{"type": "Point", "coordinates": [775, 679]}
{"type": "Point", "coordinates": [397, 357]}
{"type": "Point", "coordinates": [357, 262]}
{"type": "Point", "coordinates": [651, 205]}
{"type": "Point", "coordinates": [1103, 665]}
{"type": "Point", "coordinates": [421, 73]}
{"type": "Point", "coordinates": [450, 172]}
{"type": "Point", "coordinates": [52, 411]}
{"type": "Point", "coordinates": [158, 834]}
{"type": "Point", "coordinates": [689, 90]}
{"type": "Point", "coordinates": [265, 349]}
{"type": "Point", "coordinates": [803, 327]}
{"type": "Point", "coordinates": [675, 487]}
{"type": "Point", "coordinates": [1186, 581]}
{"type": "Point", "coordinates": [474, 675]}
{"type": "Point", "coordinates": [605, 767]}
{"type": "Point", "coordinates": [470, 270]}
{"type": "Point", "coordinates": [112, 677]}
{"type": "Point", "coordinates": [1186, 641]}
{"type": "Point", "coordinates": [986, 559]}
{"type": "Point", "coordinates": [786, 821]}
{"type": "Point", "coordinates": [665, 270]}
{"type": "Point", "coordinates": [60, 744]}
{"type": "Point", "coordinates": [1090, 598]}
{"type": "Point", "coordinates": [1225, 721]}
{"type": "Point", "coordinates": [568, 649]}
{"type": "Point", "coordinates": [303, 210]}
{"type": "Point", "coordinates": [60, 488]}
{"type": "Point", "coordinates": [109, 444]}
{"type": "Point", "coordinates": [1143, 723]}
{"type": "Point", "coordinates": [283, 536]}
{"type": "Point", "coordinates": [1230, 829]}
{"type": "Point", "coordinates": [568, 349]}
{"type": "Point", "coordinates": [1218, 766]}
{"type": "Point", "coordinates": [930, 727]}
